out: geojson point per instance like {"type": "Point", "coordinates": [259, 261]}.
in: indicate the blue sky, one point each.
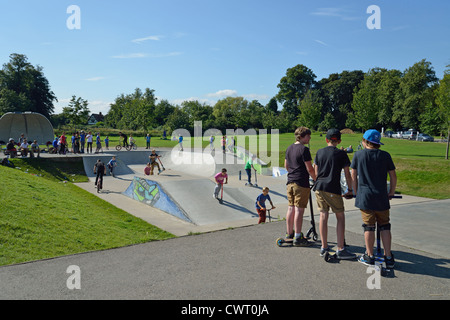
{"type": "Point", "coordinates": [209, 49]}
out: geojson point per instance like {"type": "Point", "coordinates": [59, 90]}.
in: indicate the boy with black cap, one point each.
{"type": "Point", "coordinates": [329, 163]}
{"type": "Point", "coordinates": [370, 169]}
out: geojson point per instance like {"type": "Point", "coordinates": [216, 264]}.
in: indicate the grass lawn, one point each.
{"type": "Point", "coordinates": [421, 166]}
{"type": "Point", "coordinates": [43, 218]}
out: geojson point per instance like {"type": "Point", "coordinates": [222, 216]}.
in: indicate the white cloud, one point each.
{"type": "Point", "coordinates": [321, 42]}
{"type": "Point", "coordinates": [255, 96]}
{"type": "Point", "coordinates": [95, 79]}
{"type": "Point", "coordinates": [341, 13]}
{"type": "Point", "coordinates": [165, 55]}
{"type": "Point", "coordinates": [147, 55]}
{"type": "Point", "coordinates": [131, 56]}
{"type": "Point", "coordinates": [153, 38]}
{"type": "Point", "coordinates": [222, 93]}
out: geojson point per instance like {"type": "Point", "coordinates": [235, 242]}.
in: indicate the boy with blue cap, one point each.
{"type": "Point", "coordinates": [370, 168]}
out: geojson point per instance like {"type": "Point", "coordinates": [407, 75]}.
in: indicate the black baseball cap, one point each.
{"type": "Point", "coordinates": [334, 134]}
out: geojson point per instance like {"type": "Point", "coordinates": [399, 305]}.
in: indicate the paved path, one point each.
{"type": "Point", "coordinates": [240, 260]}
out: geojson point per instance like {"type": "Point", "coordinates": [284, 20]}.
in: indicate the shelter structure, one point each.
{"type": "Point", "coordinates": [33, 125]}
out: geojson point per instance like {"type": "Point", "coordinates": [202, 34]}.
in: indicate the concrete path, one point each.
{"type": "Point", "coordinates": [240, 259]}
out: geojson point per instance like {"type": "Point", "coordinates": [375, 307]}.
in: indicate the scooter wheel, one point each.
{"type": "Point", "coordinates": [327, 256]}
{"type": "Point", "coordinates": [315, 238]}
{"type": "Point", "coordinates": [280, 242]}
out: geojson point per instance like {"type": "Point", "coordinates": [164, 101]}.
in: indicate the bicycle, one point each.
{"type": "Point", "coordinates": [129, 147]}
{"type": "Point", "coordinates": [100, 183]}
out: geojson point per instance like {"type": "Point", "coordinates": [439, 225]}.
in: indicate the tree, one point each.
{"type": "Point", "coordinates": [133, 111]}
{"type": "Point", "coordinates": [366, 105]}
{"type": "Point", "coordinates": [293, 87]}
{"type": "Point", "coordinates": [443, 101]}
{"type": "Point", "coordinates": [77, 113]}
{"type": "Point", "coordinates": [337, 94]}
{"type": "Point", "coordinates": [24, 87]}
{"type": "Point", "coordinates": [413, 93]}
{"type": "Point", "coordinates": [310, 110]}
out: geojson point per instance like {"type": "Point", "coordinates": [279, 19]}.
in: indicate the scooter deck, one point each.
{"type": "Point", "coordinates": [380, 265]}
{"type": "Point", "coordinates": [281, 241]}
{"type": "Point", "coordinates": [331, 257]}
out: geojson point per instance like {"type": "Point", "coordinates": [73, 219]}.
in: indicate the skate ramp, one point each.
{"type": "Point", "coordinates": [195, 197]}
{"type": "Point", "coordinates": [185, 189]}
{"type": "Point", "coordinates": [152, 194]}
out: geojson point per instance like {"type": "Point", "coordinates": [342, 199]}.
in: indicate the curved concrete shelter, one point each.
{"type": "Point", "coordinates": [34, 125]}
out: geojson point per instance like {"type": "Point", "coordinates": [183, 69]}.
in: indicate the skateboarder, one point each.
{"type": "Point", "coordinates": [221, 179]}
{"type": "Point", "coordinates": [299, 167]}
{"type": "Point", "coordinates": [261, 204]}
{"type": "Point", "coordinates": [370, 168]}
{"type": "Point", "coordinates": [329, 163]}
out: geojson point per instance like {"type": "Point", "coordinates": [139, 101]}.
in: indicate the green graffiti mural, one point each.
{"type": "Point", "coordinates": [144, 192]}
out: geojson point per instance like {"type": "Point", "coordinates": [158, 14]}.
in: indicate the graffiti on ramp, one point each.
{"type": "Point", "coordinates": [151, 193]}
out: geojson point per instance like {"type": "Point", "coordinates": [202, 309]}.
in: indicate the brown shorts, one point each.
{"type": "Point", "coordinates": [370, 217]}
{"type": "Point", "coordinates": [327, 200]}
{"type": "Point", "coordinates": [297, 196]}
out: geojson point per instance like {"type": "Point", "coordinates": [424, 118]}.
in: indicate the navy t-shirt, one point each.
{"type": "Point", "coordinates": [330, 161]}
{"type": "Point", "coordinates": [373, 166]}
{"type": "Point", "coordinates": [262, 200]}
{"type": "Point", "coordinates": [296, 156]}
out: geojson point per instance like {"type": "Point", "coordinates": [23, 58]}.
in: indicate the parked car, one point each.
{"type": "Point", "coordinates": [397, 135]}
{"type": "Point", "coordinates": [389, 134]}
{"type": "Point", "coordinates": [424, 137]}
{"type": "Point", "coordinates": [410, 134]}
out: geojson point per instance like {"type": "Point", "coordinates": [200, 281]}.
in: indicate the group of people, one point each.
{"type": "Point", "coordinates": [226, 144]}
{"type": "Point", "coordinates": [24, 147]}
{"type": "Point", "coordinates": [367, 179]}
{"type": "Point", "coordinates": [81, 142]}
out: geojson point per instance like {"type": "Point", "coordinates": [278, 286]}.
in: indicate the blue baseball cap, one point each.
{"type": "Point", "coordinates": [373, 136]}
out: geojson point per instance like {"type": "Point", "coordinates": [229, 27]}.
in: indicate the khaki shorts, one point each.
{"type": "Point", "coordinates": [297, 196]}
{"type": "Point", "coordinates": [327, 200]}
{"type": "Point", "coordinates": [371, 217]}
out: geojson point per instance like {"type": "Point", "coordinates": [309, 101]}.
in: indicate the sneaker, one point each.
{"type": "Point", "coordinates": [301, 242]}
{"type": "Point", "coordinates": [323, 251]}
{"type": "Point", "coordinates": [390, 262]}
{"type": "Point", "coordinates": [345, 255]}
{"type": "Point", "coordinates": [289, 236]}
{"type": "Point", "coordinates": [367, 260]}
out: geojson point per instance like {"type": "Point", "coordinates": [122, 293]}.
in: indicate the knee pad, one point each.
{"type": "Point", "coordinates": [385, 227]}
{"type": "Point", "coordinates": [368, 228]}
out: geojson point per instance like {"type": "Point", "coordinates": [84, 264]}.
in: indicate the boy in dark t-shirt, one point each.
{"type": "Point", "coordinates": [371, 167]}
{"type": "Point", "coordinates": [299, 167]}
{"type": "Point", "coordinates": [329, 163]}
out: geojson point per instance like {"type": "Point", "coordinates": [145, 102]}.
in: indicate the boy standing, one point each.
{"type": "Point", "coordinates": [329, 163]}
{"type": "Point", "coordinates": [261, 204]}
{"type": "Point", "coordinates": [370, 169]}
{"type": "Point", "coordinates": [299, 167]}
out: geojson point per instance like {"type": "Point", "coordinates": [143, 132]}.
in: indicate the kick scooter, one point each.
{"type": "Point", "coordinates": [311, 231]}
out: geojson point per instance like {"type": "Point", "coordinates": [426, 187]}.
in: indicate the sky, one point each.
{"type": "Point", "coordinates": [207, 50]}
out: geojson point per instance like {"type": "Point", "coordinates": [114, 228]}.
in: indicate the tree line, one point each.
{"type": "Point", "coordinates": [393, 99]}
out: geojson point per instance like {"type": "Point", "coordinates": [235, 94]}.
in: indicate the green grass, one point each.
{"type": "Point", "coordinates": [42, 218]}
{"type": "Point", "coordinates": [54, 169]}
